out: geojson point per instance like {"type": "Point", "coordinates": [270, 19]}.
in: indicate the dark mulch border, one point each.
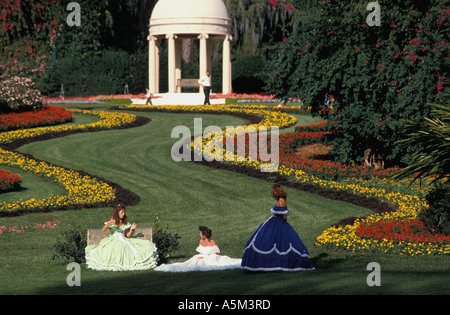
{"type": "Point", "coordinates": [372, 204]}
{"type": "Point", "coordinates": [128, 197]}
{"type": "Point", "coordinates": [123, 195]}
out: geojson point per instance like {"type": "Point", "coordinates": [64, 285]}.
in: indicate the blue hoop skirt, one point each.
{"type": "Point", "coordinates": [275, 246]}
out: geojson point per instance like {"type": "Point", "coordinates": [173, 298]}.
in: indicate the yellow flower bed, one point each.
{"type": "Point", "coordinates": [81, 189]}
{"type": "Point", "coordinates": [207, 144]}
{"type": "Point", "coordinates": [409, 200]}
{"type": "Point", "coordinates": [85, 190]}
{"type": "Point", "coordinates": [109, 120]}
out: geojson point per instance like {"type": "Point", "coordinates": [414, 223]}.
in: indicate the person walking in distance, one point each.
{"type": "Point", "coordinates": [205, 82]}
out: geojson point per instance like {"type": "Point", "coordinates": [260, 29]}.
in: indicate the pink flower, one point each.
{"type": "Point", "coordinates": [394, 83]}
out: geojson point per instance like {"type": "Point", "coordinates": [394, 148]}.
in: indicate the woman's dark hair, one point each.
{"type": "Point", "coordinates": [115, 214]}
{"type": "Point", "coordinates": [278, 191]}
{"type": "Point", "coordinates": [205, 231]}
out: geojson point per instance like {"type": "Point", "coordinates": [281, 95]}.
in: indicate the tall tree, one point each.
{"type": "Point", "coordinates": [255, 22]}
{"type": "Point", "coordinates": [379, 76]}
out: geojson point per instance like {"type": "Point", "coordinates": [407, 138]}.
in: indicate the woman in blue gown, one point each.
{"type": "Point", "coordinates": [275, 246]}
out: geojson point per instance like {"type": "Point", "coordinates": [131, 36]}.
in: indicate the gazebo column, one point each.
{"type": "Point", "coordinates": [205, 55]}
{"type": "Point", "coordinates": [153, 64]}
{"type": "Point", "coordinates": [172, 60]}
{"type": "Point", "coordinates": [157, 44]}
{"type": "Point", "coordinates": [177, 64]}
{"type": "Point", "coordinates": [226, 65]}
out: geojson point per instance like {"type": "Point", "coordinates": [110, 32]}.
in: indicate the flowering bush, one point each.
{"type": "Point", "coordinates": [27, 33]}
{"type": "Point", "coordinates": [49, 115]}
{"type": "Point", "coordinates": [19, 94]}
{"type": "Point", "coordinates": [380, 76]}
{"type": "Point", "coordinates": [9, 181]}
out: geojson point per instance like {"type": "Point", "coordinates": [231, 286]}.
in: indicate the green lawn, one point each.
{"type": "Point", "coordinates": [187, 195]}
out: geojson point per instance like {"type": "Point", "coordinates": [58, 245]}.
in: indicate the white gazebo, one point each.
{"type": "Point", "coordinates": [176, 20]}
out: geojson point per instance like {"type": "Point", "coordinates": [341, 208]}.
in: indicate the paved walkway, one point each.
{"type": "Point", "coordinates": [178, 99]}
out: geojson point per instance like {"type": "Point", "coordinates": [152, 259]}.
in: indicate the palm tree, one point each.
{"type": "Point", "coordinates": [433, 137]}
{"type": "Point", "coordinates": [432, 160]}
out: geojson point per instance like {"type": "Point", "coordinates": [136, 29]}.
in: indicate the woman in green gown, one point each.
{"type": "Point", "coordinates": [118, 251]}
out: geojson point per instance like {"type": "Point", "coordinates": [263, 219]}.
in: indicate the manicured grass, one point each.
{"type": "Point", "coordinates": [187, 195]}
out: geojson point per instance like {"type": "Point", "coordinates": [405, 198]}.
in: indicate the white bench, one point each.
{"type": "Point", "coordinates": [187, 83]}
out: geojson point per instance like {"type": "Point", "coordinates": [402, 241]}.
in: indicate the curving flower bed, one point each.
{"type": "Point", "coordinates": [82, 189]}
{"type": "Point", "coordinates": [49, 115]}
{"type": "Point", "coordinates": [358, 236]}
{"type": "Point", "coordinates": [408, 200]}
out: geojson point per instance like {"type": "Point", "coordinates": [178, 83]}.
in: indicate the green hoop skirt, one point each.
{"type": "Point", "coordinates": [119, 253]}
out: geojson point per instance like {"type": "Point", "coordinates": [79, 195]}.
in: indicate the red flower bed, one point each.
{"type": "Point", "coordinates": [9, 181]}
{"type": "Point", "coordinates": [314, 133]}
{"type": "Point", "coordinates": [310, 134]}
{"type": "Point", "coordinates": [49, 115]}
{"type": "Point", "coordinates": [413, 231]}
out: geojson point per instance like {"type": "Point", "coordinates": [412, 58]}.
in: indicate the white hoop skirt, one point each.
{"type": "Point", "coordinates": [208, 259]}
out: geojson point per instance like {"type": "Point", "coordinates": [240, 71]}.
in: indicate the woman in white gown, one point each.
{"type": "Point", "coordinates": [207, 259]}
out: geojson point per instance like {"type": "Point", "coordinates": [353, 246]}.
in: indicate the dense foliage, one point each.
{"type": "Point", "coordinates": [378, 76]}
{"type": "Point", "coordinates": [432, 161]}
{"type": "Point", "coordinates": [27, 32]}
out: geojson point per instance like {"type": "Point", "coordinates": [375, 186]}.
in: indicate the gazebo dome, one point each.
{"type": "Point", "coordinates": [187, 17]}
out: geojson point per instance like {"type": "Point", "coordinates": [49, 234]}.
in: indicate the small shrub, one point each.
{"type": "Point", "coordinates": [166, 242]}
{"type": "Point", "coordinates": [71, 245]}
